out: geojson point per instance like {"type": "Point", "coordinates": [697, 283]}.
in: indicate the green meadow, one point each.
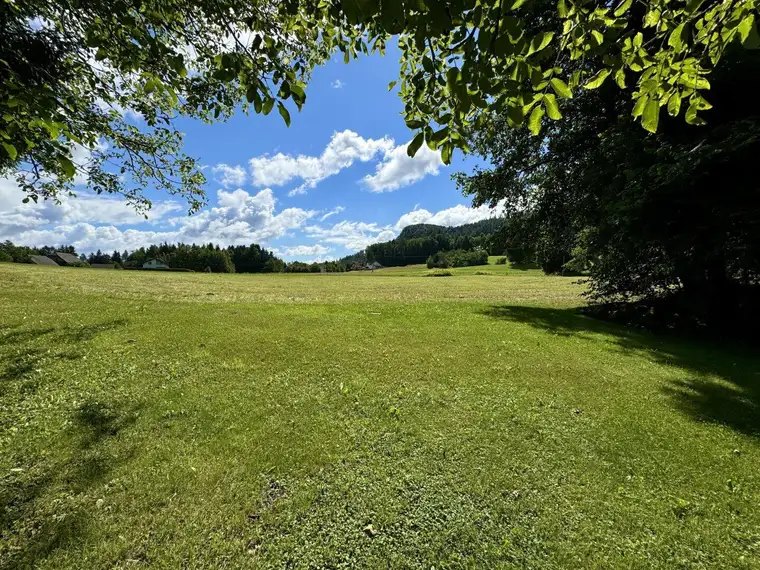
{"type": "Point", "coordinates": [365, 420]}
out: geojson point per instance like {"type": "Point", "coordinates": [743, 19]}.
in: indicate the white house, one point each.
{"type": "Point", "coordinates": [155, 264]}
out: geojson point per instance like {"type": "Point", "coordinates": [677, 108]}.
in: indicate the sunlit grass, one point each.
{"type": "Point", "coordinates": [366, 420]}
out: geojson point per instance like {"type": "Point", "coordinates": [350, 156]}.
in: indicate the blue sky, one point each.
{"type": "Point", "coordinates": [336, 180]}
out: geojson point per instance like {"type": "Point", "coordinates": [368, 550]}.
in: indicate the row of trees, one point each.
{"type": "Point", "coordinates": [209, 257]}
{"type": "Point", "coordinates": [21, 253]}
{"type": "Point", "coordinates": [327, 266]}
{"type": "Point", "coordinates": [457, 258]}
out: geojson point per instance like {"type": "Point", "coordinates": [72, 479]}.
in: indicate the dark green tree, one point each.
{"type": "Point", "coordinates": [666, 223]}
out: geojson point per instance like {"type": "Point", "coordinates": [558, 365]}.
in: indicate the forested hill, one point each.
{"type": "Point", "coordinates": [418, 242]}
{"type": "Point", "coordinates": [483, 227]}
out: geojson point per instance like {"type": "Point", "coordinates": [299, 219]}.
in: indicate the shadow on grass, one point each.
{"type": "Point", "coordinates": [46, 501]}
{"type": "Point", "coordinates": [731, 399]}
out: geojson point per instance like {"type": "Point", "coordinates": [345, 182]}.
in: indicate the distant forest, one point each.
{"type": "Point", "coordinates": [414, 245]}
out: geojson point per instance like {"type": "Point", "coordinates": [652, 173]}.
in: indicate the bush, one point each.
{"type": "Point", "coordinates": [438, 260]}
{"type": "Point", "coordinates": [175, 269]}
{"type": "Point", "coordinates": [4, 257]}
{"type": "Point", "coordinates": [457, 258]}
{"type": "Point", "coordinates": [483, 273]}
{"type": "Point", "coordinates": [439, 273]}
{"type": "Point", "coordinates": [501, 261]}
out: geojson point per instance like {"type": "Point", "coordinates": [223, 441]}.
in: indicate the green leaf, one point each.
{"type": "Point", "coordinates": [268, 105]}
{"type": "Point", "coordinates": [297, 93]}
{"type": "Point", "coordinates": [692, 118]}
{"type": "Point", "coordinates": [391, 85]}
{"type": "Point", "coordinates": [440, 135]}
{"type": "Point", "coordinates": [562, 9]}
{"type": "Point", "coordinates": [651, 116]}
{"type": "Point", "coordinates": [652, 18]}
{"type": "Point", "coordinates": [515, 115]}
{"type": "Point", "coordinates": [415, 123]}
{"type": "Point", "coordinates": [415, 145]}
{"type": "Point", "coordinates": [11, 150]}
{"type": "Point", "coordinates": [534, 122]}
{"type": "Point", "coordinates": [676, 38]}
{"type": "Point", "coordinates": [68, 167]}
{"type": "Point", "coordinates": [552, 108]}
{"type": "Point", "coordinates": [596, 81]}
{"type": "Point", "coordinates": [539, 42]}
{"type": "Point", "coordinates": [745, 27]}
{"type": "Point", "coordinates": [561, 88]}
{"type": "Point", "coordinates": [674, 104]}
{"type": "Point", "coordinates": [638, 108]}
{"type": "Point", "coordinates": [150, 86]}
{"type": "Point", "coordinates": [620, 78]}
{"type": "Point", "coordinates": [284, 113]}
{"type": "Point", "coordinates": [516, 4]}
{"type": "Point", "coordinates": [251, 93]}
{"type": "Point", "coordinates": [446, 152]}
{"type": "Point", "coordinates": [597, 35]}
{"type": "Point", "coordinates": [622, 8]}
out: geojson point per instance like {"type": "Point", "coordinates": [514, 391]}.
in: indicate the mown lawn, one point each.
{"type": "Point", "coordinates": [373, 420]}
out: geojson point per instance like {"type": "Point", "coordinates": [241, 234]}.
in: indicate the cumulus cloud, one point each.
{"type": "Point", "coordinates": [336, 210]}
{"type": "Point", "coordinates": [351, 235]}
{"type": "Point", "coordinates": [338, 84]}
{"type": "Point", "coordinates": [342, 151]}
{"type": "Point", "coordinates": [16, 216]}
{"type": "Point", "coordinates": [398, 169]}
{"type": "Point", "coordinates": [454, 216]}
{"type": "Point", "coordinates": [306, 250]}
{"type": "Point", "coordinates": [91, 222]}
{"type": "Point", "coordinates": [229, 176]}
{"type": "Point", "coordinates": [394, 169]}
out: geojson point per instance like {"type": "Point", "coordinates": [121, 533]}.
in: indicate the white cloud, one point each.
{"type": "Point", "coordinates": [351, 235]}
{"type": "Point", "coordinates": [229, 176]}
{"type": "Point", "coordinates": [16, 216]}
{"type": "Point", "coordinates": [398, 169]}
{"type": "Point", "coordinates": [394, 170]}
{"type": "Point", "coordinates": [306, 250]}
{"type": "Point", "coordinates": [336, 210]}
{"type": "Point", "coordinates": [342, 151]}
{"type": "Point", "coordinates": [90, 222]}
{"type": "Point", "coordinates": [454, 216]}
{"type": "Point", "coordinates": [242, 218]}
{"type": "Point", "coordinates": [337, 84]}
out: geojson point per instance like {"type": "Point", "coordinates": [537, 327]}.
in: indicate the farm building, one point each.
{"type": "Point", "coordinates": [42, 260]}
{"type": "Point", "coordinates": [62, 258]}
{"type": "Point", "coordinates": [155, 264]}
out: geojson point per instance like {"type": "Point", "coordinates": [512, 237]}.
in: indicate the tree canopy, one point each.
{"type": "Point", "coordinates": [666, 223]}
{"type": "Point", "coordinates": [71, 70]}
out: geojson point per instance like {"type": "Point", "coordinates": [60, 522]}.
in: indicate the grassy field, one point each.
{"type": "Point", "coordinates": [372, 420]}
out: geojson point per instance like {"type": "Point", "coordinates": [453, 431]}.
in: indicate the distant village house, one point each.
{"type": "Point", "coordinates": [61, 258]}
{"type": "Point", "coordinates": [155, 264]}
{"type": "Point", "coordinates": [42, 260]}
